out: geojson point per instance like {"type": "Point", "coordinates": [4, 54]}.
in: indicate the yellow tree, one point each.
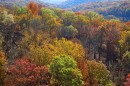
{"type": "Point", "coordinates": [44, 54]}
{"type": "Point", "coordinates": [98, 73]}
{"type": "Point", "coordinates": [3, 67]}
{"type": "Point", "coordinates": [50, 20]}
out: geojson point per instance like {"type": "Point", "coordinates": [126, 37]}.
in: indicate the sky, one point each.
{"type": "Point", "coordinates": [54, 1]}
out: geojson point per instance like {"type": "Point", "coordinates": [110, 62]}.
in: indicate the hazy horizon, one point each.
{"type": "Point", "coordinates": [54, 1]}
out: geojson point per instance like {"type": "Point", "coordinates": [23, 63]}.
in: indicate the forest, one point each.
{"type": "Point", "coordinates": [42, 46]}
{"type": "Point", "coordinates": [119, 9]}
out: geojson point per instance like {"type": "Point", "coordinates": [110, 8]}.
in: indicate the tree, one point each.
{"type": "Point", "coordinates": [25, 73]}
{"type": "Point", "coordinates": [50, 20]}
{"type": "Point", "coordinates": [1, 40]}
{"type": "Point", "coordinates": [21, 16]}
{"type": "Point", "coordinates": [127, 83]}
{"type": "Point", "coordinates": [5, 18]}
{"type": "Point", "coordinates": [33, 8]}
{"type": "Point", "coordinates": [81, 24]}
{"type": "Point", "coordinates": [98, 73]}
{"type": "Point", "coordinates": [42, 54]}
{"type": "Point", "coordinates": [64, 46]}
{"type": "Point", "coordinates": [65, 72]}
{"type": "Point", "coordinates": [31, 37]}
{"type": "Point", "coordinates": [84, 70]}
{"type": "Point", "coordinates": [10, 33]}
{"type": "Point", "coordinates": [126, 62]}
{"type": "Point", "coordinates": [3, 67]}
{"type": "Point", "coordinates": [124, 42]}
{"type": "Point", "coordinates": [68, 18]}
{"type": "Point", "coordinates": [22, 10]}
{"type": "Point", "coordinates": [69, 32]}
{"type": "Point", "coordinates": [109, 35]}
{"type": "Point", "coordinates": [94, 18]}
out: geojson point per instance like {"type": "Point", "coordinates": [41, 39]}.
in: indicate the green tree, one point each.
{"type": "Point", "coordinates": [69, 32]}
{"type": "Point", "coordinates": [50, 20]}
{"type": "Point", "coordinates": [65, 72]}
{"type": "Point", "coordinates": [69, 18]}
{"type": "Point", "coordinates": [22, 10]}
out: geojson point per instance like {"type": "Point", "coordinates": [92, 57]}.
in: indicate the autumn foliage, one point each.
{"type": "Point", "coordinates": [25, 73]}
{"type": "Point", "coordinates": [61, 48]}
{"type": "Point", "coordinates": [3, 67]}
{"type": "Point", "coordinates": [84, 70]}
{"type": "Point", "coordinates": [65, 72]}
{"type": "Point", "coordinates": [33, 8]}
{"type": "Point", "coordinates": [127, 83]}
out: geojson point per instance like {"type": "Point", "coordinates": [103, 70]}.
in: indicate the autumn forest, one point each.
{"type": "Point", "coordinates": [43, 46]}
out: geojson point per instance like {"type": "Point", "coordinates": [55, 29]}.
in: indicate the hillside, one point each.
{"type": "Point", "coordinates": [23, 2]}
{"type": "Point", "coordinates": [116, 9]}
{"type": "Point", "coordinates": [54, 1]}
{"type": "Point", "coordinates": [71, 3]}
{"type": "Point", "coordinates": [41, 46]}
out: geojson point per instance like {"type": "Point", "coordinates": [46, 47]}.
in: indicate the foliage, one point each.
{"type": "Point", "coordinates": [31, 39]}
{"type": "Point", "coordinates": [3, 67]}
{"type": "Point", "coordinates": [126, 61]}
{"type": "Point", "coordinates": [94, 18]}
{"type": "Point", "coordinates": [46, 11]}
{"type": "Point", "coordinates": [127, 83]}
{"type": "Point", "coordinates": [1, 40]}
{"type": "Point", "coordinates": [25, 73]}
{"type": "Point", "coordinates": [6, 18]}
{"type": "Point", "coordinates": [82, 23]}
{"type": "Point", "coordinates": [22, 10]}
{"type": "Point", "coordinates": [124, 41]}
{"type": "Point", "coordinates": [98, 73]}
{"type": "Point", "coordinates": [69, 32]}
{"type": "Point", "coordinates": [68, 18]}
{"type": "Point", "coordinates": [84, 70]}
{"type": "Point", "coordinates": [39, 55]}
{"type": "Point", "coordinates": [33, 8]}
{"type": "Point", "coordinates": [50, 20]}
{"type": "Point", "coordinates": [37, 33]}
{"type": "Point", "coordinates": [64, 46]}
{"type": "Point", "coordinates": [42, 54]}
{"type": "Point", "coordinates": [65, 72]}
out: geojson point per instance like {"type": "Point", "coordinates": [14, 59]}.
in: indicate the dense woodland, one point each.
{"type": "Point", "coordinates": [110, 10]}
{"type": "Point", "coordinates": [42, 46]}
{"type": "Point", "coordinates": [72, 3]}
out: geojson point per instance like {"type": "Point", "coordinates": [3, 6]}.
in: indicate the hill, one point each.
{"type": "Point", "coordinates": [22, 2]}
{"type": "Point", "coordinates": [116, 9]}
{"type": "Point", "coordinates": [71, 3]}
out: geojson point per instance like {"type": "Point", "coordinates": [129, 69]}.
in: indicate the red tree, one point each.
{"type": "Point", "coordinates": [25, 73]}
{"type": "Point", "coordinates": [127, 83]}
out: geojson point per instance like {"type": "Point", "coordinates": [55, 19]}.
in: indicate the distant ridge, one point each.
{"type": "Point", "coordinates": [71, 3]}
{"type": "Point", "coordinates": [21, 2]}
